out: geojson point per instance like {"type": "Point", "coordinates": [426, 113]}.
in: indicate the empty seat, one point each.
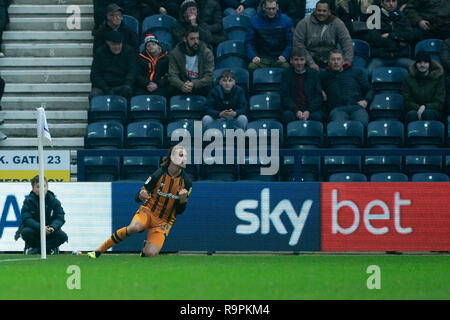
{"type": "Point", "coordinates": [389, 177]}
{"type": "Point", "coordinates": [265, 106]}
{"type": "Point", "coordinates": [158, 22]}
{"type": "Point", "coordinates": [131, 23]}
{"type": "Point", "coordinates": [266, 80]}
{"type": "Point", "coordinates": [110, 107]}
{"type": "Point", "coordinates": [265, 128]}
{"type": "Point", "coordinates": [139, 168]}
{"type": "Point", "coordinates": [252, 170]}
{"type": "Point", "coordinates": [361, 50]}
{"type": "Point", "coordinates": [420, 164]}
{"type": "Point", "coordinates": [231, 53]}
{"type": "Point", "coordinates": [101, 169]}
{"type": "Point", "coordinates": [375, 164]}
{"type": "Point", "coordinates": [430, 177]}
{"type": "Point", "coordinates": [425, 133]}
{"type": "Point", "coordinates": [104, 134]}
{"type": "Point", "coordinates": [179, 130]}
{"type": "Point", "coordinates": [235, 26]}
{"type": "Point", "coordinates": [385, 132]}
{"type": "Point", "coordinates": [388, 78]}
{"type": "Point", "coordinates": [342, 133]}
{"type": "Point", "coordinates": [241, 76]}
{"type": "Point", "coordinates": [387, 105]}
{"type": "Point", "coordinates": [187, 107]}
{"type": "Point", "coordinates": [431, 46]}
{"type": "Point", "coordinates": [210, 170]}
{"type": "Point", "coordinates": [302, 132]}
{"type": "Point", "coordinates": [348, 177]}
{"type": "Point", "coordinates": [146, 134]}
{"type": "Point", "coordinates": [310, 166]}
{"type": "Point", "coordinates": [146, 107]}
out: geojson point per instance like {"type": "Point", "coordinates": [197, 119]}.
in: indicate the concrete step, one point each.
{"type": "Point", "coordinates": [54, 2]}
{"type": "Point", "coordinates": [50, 9]}
{"type": "Point", "coordinates": [31, 49]}
{"type": "Point", "coordinates": [73, 35]}
{"type": "Point", "coordinates": [79, 116]}
{"type": "Point", "coordinates": [46, 76]}
{"type": "Point", "coordinates": [29, 130]}
{"type": "Point", "coordinates": [54, 102]}
{"type": "Point", "coordinates": [48, 87]}
{"type": "Point", "coordinates": [50, 24]}
{"type": "Point", "coordinates": [31, 143]}
{"type": "Point", "coordinates": [46, 62]}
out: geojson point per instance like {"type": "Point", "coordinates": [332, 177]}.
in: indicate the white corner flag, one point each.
{"type": "Point", "coordinates": [42, 133]}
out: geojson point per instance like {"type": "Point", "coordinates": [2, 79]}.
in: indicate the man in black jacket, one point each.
{"type": "Point", "coordinates": [347, 89]}
{"type": "Point", "coordinates": [113, 69]}
{"type": "Point", "coordinates": [301, 91]}
{"type": "Point", "coordinates": [29, 230]}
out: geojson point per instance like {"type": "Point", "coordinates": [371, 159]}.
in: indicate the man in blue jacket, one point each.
{"type": "Point", "coordinates": [268, 42]}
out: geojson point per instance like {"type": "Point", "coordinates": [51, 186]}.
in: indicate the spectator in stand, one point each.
{"type": "Point", "coordinates": [151, 7]}
{"type": "Point", "coordinates": [226, 101]}
{"type": "Point", "coordinates": [431, 18]}
{"type": "Point", "coordinates": [301, 91]}
{"type": "Point", "coordinates": [268, 42]}
{"type": "Point", "coordinates": [210, 14]}
{"type": "Point", "coordinates": [153, 67]}
{"type": "Point", "coordinates": [191, 66]}
{"type": "Point", "coordinates": [390, 44]}
{"type": "Point", "coordinates": [423, 90]}
{"type": "Point", "coordinates": [245, 7]}
{"type": "Point", "coordinates": [4, 20]}
{"type": "Point", "coordinates": [189, 17]}
{"type": "Point", "coordinates": [113, 69]}
{"type": "Point", "coordinates": [353, 13]}
{"type": "Point", "coordinates": [2, 89]}
{"type": "Point", "coordinates": [114, 23]}
{"type": "Point", "coordinates": [347, 89]}
{"type": "Point", "coordinates": [320, 33]}
{"type": "Point", "coordinates": [297, 9]}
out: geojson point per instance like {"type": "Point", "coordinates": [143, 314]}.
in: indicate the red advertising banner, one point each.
{"type": "Point", "coordinates": [386, 216]}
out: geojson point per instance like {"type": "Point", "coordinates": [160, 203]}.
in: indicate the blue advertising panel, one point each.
{"type": "Point", "coordinates": [240, 216]}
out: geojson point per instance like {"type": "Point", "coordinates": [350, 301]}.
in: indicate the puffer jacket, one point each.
{"type": "Point", "coordinates": [210, 14]}
{"type": "Point", "coordinates": [437, 12]}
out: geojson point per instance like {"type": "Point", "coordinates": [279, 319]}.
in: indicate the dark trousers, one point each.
{"type": "Point", "coordinates": [173, 91]}
{"type": "Point", "coordinates": [289, 116]}
{"type": "Point", "coordinates": [427, 114]}
{"type": "Point", "coordinates": [160, 91]}
{"type": "Point", "coordinates": [32, 238]}
{"type": "Point", "coordinates": [123, 91]}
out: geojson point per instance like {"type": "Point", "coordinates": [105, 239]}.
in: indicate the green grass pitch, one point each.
{"type": "Point", "coordinates": [225, 277]}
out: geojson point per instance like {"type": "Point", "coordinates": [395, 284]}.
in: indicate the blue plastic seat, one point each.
{"type": "Point", "coordinates": [264, 127]}
{"type": "Point", "coordinates": [375, 164]}
{"type": "Point", "coordinates": [419, 164]}
{"type": "Point", "coordinates": [388, 78]}
{"type": "Point", "coordinates": [131, 23]}
{"type": "Point", "coordinates": [231, 53]}
{"type": "Point", "coordinates": [105, 134]}
{"type": "Point", "coordinates": [389, 177]}
{"type": "Point", "coordinates": [108, 107]}
{"type": "Point", "coordinates": [187, 107]}
{"type": "Point", "coordinates": [387, 105]}
{"type": "Point", "coordinates": [178, 129]}
{"type": "Point", "coordinates": [310, 166]}
{"type": "Point", "coordinates": [361, 49]}
{"type": "Point", "coordinates": [101, 169]}
{"type": "Point", "coordinates": [145, 134]}
{"type": "Point", "coordinates": [425, 133]}
{"type": "Point", "coordinates": [209, 170]}
{"type": "Point", "coordinates": [431, 46]}
{"type": "Point", "coordinates": [235, 26]}
{"type": "Point", "coordinates": [265, 106]}
{"type": "Point", "coordinates": [430, 177]}
{"type": "Point", "coordinates": [347, 177]}
{"type": "Point", "coordinates": [343, 133]}
{"type": "Point", "coordinates": [157, 22]}
{"type": "Point", "coordinates": [251, 171]}
{"type": "Point", "coordinates": [139, 168]}
{"type": "Point", "coordinates": [266, 80]}
{"type": "Point", "coordinates": [241, 76]}
{"type": "Point", "coordinates": [385, 132]}
{"type": "Point", "coordinates": [147, 107]}
{"type": "Point", "coordinates": [302, 132]}
{"type": "Point", "coordinates": [338, 164]}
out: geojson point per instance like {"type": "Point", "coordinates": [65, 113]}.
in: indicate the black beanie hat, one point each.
{"type": "Point", "coordinates": [423, 56]}
{"type": "Point", "coordinates": [186, 4]}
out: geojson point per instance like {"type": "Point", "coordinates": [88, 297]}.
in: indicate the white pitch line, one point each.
{"type": "Point", "coordinates": [7, 260]}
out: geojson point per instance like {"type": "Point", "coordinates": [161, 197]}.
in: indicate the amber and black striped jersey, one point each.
{"type": "Point", "coordinates": [163, 194]}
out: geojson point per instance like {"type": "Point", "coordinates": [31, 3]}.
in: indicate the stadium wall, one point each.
{"type": "Point", "coordinates": [254, 216]}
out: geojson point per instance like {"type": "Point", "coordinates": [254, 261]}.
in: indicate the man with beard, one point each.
{"type": "Point", "coordinates": [320, 33]}
{"type": "Point", "coordinates": [191, 66]}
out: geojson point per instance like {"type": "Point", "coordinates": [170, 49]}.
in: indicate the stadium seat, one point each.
{"type": "Point", "coordinates": [266, 80]}
{"type": "Point", "coordinates": [447, 165]}
{"type": "Point", "coordinates": [347, 177]}
{"type": "Point", "coordinates": [147, 107]}
{"type": "Point", "coordinates": [302, 132]}
{"type": "Point", "coordinates": [430, 177]}
{"type": "Point", "coordinates": [157, 22]}
{"type": "Point", "coordinates": [104, 134]}
{"type": "Point", "coordinates": [432, 46]}
{"type": "Point", "coordinates": [343, 133]}
{"type": "Point", "coordinates": [210, 170]}
{"type": "Point", "coordinates": [265, 106]}
{"type": "Point", "coordinates": [145, 134]}
{"type": "Point", "coordinates": [310, 166]}
{"type": "Point", "coordinates": [101, 169]}
{"type": "Point", "coordinates": [389, 177]}
{"type": "Point", "coordinates": [387, 105]}
{"type": "Point", "coordinates": [376, 164]}
{"type": "Point", "coordinates": [425, 133]}
{"type": "Point", "coordinates": [385, 132]}
{"type": "Point", "coordinates": [107, 108]}
{"type": "Point", "coordinates": [180, 128]}
{"type": "Point", "coordinates": [241, 75]}
{"type": "Point", "coordinates": [388, 78]}
{"type": "Point", "coordinates": [235, 26]}
{"type": "Point", "coordinates": [231, 53]}
{"type": "Point", "coordinates": [264, 127]}
{"type": "Point", "coordinates": [187, 107]}
{"type": "Point", "coordinates": [361, 52]}
{"type": "Point", "coordinates": [338, 164]}
{"type": "Point", "coordinates": [131, 23]}
{"type": "Point", "coordinates": [139, 168]}
{"type": "Point", "coordinates": [420, 164]}
{"type": "Point", "coordinates": [251, 170]}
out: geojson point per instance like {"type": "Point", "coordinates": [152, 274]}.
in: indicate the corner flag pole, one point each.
{"type": "Point", "coordinates": [42, 133]}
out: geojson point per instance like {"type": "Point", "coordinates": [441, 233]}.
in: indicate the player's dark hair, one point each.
{"type": "Point", "coordinates": [35, 180]}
